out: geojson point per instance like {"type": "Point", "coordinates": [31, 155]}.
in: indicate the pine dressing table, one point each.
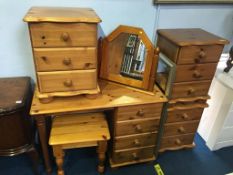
{"type": "Point", "coordinates": [134, 112]}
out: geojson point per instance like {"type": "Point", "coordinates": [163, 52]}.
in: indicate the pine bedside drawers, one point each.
{"type": "Point", "coordinates": [195, 54]}
{"type": "Point", "coordinates": [64, 45]}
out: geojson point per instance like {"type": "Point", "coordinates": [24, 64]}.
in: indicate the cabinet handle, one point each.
{"type": "Point", "coordinates": [87, 65]}
{"type": "Point", "coordinates": [65, 36]}
{"type": "Point", "coordinates": [140, 112]}
{"type": "Point", "coordinates": [177, 141]}
{"type": "Point", "coordinates": [135, 156]}
{"type": "Point", "coordinates": [44, 58]}
{"type": "Point", "coordinates": [136, 142]}
{"type": "Point", "coordinates": [67, 61]}
{"type": "Point", "coordinates": [197, 74]}
{"type": "Point", "coordinates": [191, 91]}
{"type": "Point", "coordinates": [68, 83]}
{"type": "Point", "coordinates": [138, 128]}
{"type": "Point", "coordinates": [181, 129]}
{"type": "Point", "coordinates": [185, 116]}
{"type": "Point", "coordinates": [202, 54]}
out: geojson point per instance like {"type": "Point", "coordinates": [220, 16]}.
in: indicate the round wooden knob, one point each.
{"type": "Point", "coordinates": [191, 91]}
{"type": "Point", "coordinates": [135, 156]}
{"type": "Point", "coordinates": [44, 58]}
{"type": "Point", "coordinates": [181, 129]}
{"type": "Point", "coordinates": [185, 116]}
{"type": "Point", "coordinates": [140, 112]}
{"type": "Point", "coordinates": [87, 65]}
{"type": "Point", "coordinates": [177, 141]}
{"type": "Point", "coordinates": [197, 74]}
{"type": "Point", "coordinates": [68, 83]}
{"type": "Point", "coordinates": [202, 54]}
{"type": "Point", "coordinates": [138, 127]}
{"type": "Point", "coordinates": [65, 36]}
{"type": "Point", "coordinates": [67, 61]}
{"type": "Point", "coordinates": [136, 142]}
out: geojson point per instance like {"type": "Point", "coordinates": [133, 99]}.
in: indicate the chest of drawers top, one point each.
{"type": "Point", "coordinates": [190, 46]}
{"type": "Point", "coordinates": [61, 14]}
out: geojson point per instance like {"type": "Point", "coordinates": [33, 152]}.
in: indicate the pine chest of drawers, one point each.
{"type": "Point", "coordinates": [64, 45]}
{"type": "Point", "coordinates": [134, 133]}
{"type": "Point", "coordinates": [195, 53]}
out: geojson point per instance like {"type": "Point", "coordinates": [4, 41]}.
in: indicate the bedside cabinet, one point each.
{"type": "Point", "coordinates": [64, 45]}
{"type": "Point", "coordinates": [195, 54]}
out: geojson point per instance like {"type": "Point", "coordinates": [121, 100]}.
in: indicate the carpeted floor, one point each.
{"type": "Point", "coordinates": [197, 161]}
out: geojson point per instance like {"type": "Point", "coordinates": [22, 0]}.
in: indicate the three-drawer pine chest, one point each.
{"type": "Point", "coordinates": [64, 45]}
{"type": "Point", "coordinates": [195, 53]}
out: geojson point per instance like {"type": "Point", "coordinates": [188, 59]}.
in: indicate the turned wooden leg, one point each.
{"type": "Point", "coordinates": [41, 126]}
{"type": "Point", "coordinates": [59, 155]}
{"type": "Point", "coordinates": [101, 150]}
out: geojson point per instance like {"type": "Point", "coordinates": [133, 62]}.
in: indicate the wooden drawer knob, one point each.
{"type": "Point", "coordinates": [44, 58]}
{"type": "Point", "coordinates": [191, 91]}
{"type": "Point", "coordinates": [68, 83]}
{"type": "Point", "coordinates": [197, 74]}
{"type": "Point", "coordinates": [185, 116]}
{"type": "Point", "coordinates": [177, 141]}
{"type": "Point", "coordinates": [202, 54]}
{"type": "Point", "coordinates": [135, 156]}
{"type": "Point", "coordinates": [181, 129]}
{"type": "Point", "coordinates": [65, 36]}
{"type": "Point", "coordinates": [138, 128]}
{"type": "Point", "coordinates": [136, 142]}
{"type": "Point", "coordinates": [67, 61]}
{"type": "Point", "coordinates": [140, 112]}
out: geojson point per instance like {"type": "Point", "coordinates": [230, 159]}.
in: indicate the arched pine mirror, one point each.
{"type": "Point", "coordinates": [129, 57]}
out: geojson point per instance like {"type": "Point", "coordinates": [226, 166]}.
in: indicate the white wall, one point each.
{"type": "Point", "coordinates": [15, 48]}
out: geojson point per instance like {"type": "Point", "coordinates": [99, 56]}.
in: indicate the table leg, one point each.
{"type": "Point", "coordinates": [41, 126]}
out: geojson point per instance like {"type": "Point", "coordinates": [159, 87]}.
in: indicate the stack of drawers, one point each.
{"type": "Point", "coordinates": [195, 53]}
{"type": "Point", "coordinates": [64, 44]}
{"type": "Point", "coordinates": [135, 133]}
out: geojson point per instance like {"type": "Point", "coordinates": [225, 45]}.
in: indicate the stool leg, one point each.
{"type": "Point", "coordinates": [59, 155]}
{"type": "Point", "coordinates": [101, 150]}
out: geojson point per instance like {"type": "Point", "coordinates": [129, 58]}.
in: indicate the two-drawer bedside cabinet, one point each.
{"type": "Point", "coordinates": [64, 45]}
{"type": "Point", "coordinates": [195, 54]}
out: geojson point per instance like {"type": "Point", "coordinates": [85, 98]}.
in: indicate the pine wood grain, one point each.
{"type": "Point", "coordinates": [61, 14]}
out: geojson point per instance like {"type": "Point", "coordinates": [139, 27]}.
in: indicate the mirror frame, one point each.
{"type": "Point", "coordinates": [148, 79]}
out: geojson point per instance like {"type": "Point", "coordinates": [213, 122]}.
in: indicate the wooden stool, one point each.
{"type": "Point", "coordinates": [77, 131]}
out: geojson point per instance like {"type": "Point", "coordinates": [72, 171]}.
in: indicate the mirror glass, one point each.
{"type": "Point", "coordinates": [129, 56]}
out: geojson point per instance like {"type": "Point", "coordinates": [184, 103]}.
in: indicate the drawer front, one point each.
{"type": "Point", "coordinates": [67, 80]}
{"type": "Point", "coordinates": [55, 59]}
{"type": "Point", "coordinates": [63, 34]}
{"type": "Point", "coordinates": [195, 72]}
{"type": "Point", "coordinates": [200, 54]}
{"type": "Point", "coordinates": [133, 155]}
{"type": "Point", "coordinates": [172, 129]}
{"type": "Point", "coordinates": [139, 111]}
{"type": "Point", "coordinates": [184, 115]}
{"type": "Point", "coordinates": [176, 141]}
{"type": "Point", "coordinates": [137, 126]}
{"type": "Point", "coordinates": [190, 89]}
{"type": "Point", "coordinates": [135, 141]}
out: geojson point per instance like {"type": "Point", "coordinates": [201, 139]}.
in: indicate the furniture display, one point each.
{"type": "Point", "coordinates": [133, 120]}
{"type": "Point", "coordinates": [16, 127]}
{"type": "Point", "coordinates": [218, 118]}
{"type": "Point", "coordinates": [64, 45]}
{"type": "Point", "coordinates": [195, 53]}
{"type": "Point", "coordinates": [129, 57]}
{"type": "Point", "coordinates": [78, 131]}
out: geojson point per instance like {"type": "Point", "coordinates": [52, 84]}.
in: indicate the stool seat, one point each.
{"type": "Point", "coordinates": [79, 128]}
{"type": "Point", "coordinates": [77, 131]}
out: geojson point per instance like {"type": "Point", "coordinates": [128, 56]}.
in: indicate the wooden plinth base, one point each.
{"type": "Point", "coordinates": [48, 97]}
{"type": "Point", "coordinates": [177, 148]}
{"type": "Point", "coordinates": [114, 165]}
